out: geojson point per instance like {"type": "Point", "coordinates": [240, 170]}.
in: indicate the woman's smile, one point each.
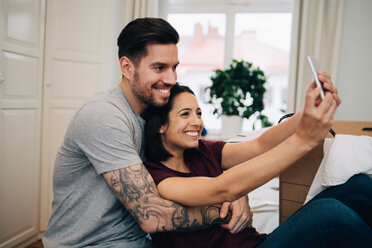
{"type": "Point", "coordinates": [193, 134]}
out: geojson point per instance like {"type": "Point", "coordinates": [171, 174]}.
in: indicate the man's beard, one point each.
{"type": "Point", "coordinates": [138, 90]}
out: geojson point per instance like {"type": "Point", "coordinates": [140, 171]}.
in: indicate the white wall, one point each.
{"type": "Point", "coordinates": [117, 24]}
{"type": "Point", "coordinates": [354, 79]}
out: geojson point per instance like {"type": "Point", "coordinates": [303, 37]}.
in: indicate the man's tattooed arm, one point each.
{"type": "Point", "coordinates": [137, 191]}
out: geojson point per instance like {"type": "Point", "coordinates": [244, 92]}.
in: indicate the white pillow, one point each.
{"type": "Point", "coordinates": [344, 156]}
{"type": "Point", "coordinates": [316, 186]}
{"type": "Point", "coordinates": [348, 155]}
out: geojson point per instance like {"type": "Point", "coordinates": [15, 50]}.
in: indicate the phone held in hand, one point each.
{"type": "Point", "coordinates": [314, 69]}
{"type": "Point", "coordinates": [313, 62]}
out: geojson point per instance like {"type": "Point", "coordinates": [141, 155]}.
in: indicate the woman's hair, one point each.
{"type": "Point", "coordinates": [140, 32]}
{"type": "Point", "coordinates": [156, 117]}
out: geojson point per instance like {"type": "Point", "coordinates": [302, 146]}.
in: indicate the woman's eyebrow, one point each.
{"type": "Point", "coordinates": [189, 109]}
{"type": "Point", "coordinates": [183, 109]}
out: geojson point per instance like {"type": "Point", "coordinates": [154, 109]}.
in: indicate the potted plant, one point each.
{"type": "Point", "coordinates": [237, 93]}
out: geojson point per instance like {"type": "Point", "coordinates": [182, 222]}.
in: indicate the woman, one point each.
{"type": "Point", "coordinates": [189, 171]}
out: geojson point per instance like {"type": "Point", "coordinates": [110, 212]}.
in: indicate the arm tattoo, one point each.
{"type": "Point", "coordinates": [137, 191]}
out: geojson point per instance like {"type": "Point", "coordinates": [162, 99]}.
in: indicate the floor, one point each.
{"type": "Point", "coordinates": [37, 244]}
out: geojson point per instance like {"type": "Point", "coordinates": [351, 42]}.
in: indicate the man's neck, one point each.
{"type": "Point", "coordinates": [136, 104]}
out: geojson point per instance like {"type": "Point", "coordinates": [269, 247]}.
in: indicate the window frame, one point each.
{"type": "Point", "coordinates": [232, 7]}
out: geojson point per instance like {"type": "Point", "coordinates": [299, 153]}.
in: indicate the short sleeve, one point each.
{"type": "Point", "coordinates": [214, 146]}
{"type": "Point", "coordinates": [105, 136]}
{"type": "Point", "coordinates": [160, 172]}
{"type": "Point", "coordinates": [201, 162]}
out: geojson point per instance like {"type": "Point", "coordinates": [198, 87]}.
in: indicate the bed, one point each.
{"type": "Point", "coordinates": [295, 182]}
{"type": "Point", "coordinates": [278, 199]}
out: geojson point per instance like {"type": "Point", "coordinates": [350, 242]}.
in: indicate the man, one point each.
{"type": "Point", "coordinates": [103, 195]}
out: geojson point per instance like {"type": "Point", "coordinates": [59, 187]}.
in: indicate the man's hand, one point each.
{"type": "Point", "coordinates": [241, 215]}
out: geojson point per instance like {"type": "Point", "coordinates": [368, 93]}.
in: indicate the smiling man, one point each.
{"type": "Point", "coordinates": [103, 194]}
{"type": "Point", "coordinates": [150, 81]}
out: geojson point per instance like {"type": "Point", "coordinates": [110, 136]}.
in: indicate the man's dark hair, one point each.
{"type": "Point", "coordinates": [156, 117]}
{"type": "Point", "coordinates": [140, 32]}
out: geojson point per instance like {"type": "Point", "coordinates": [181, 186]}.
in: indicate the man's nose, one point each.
{"type": "Point", "coordinates": [170, 77]}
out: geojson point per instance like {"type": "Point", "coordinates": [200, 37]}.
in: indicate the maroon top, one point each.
{"type": "Point", "coordinates": [206, 161]}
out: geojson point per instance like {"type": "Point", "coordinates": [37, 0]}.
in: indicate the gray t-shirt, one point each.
{"type": "Point", "coordinates": [105, 134]}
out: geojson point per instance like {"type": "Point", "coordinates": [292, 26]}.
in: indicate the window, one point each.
{"type": "Point", "coordinates": [212, 33]}
{"type": "Point", "coordinates": [201, 50]}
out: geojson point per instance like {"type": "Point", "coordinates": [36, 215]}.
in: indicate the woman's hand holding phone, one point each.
{"type": "Point", "coordinates": [317, 117]}
{"type": "Point", "coordinates": [323, 81]}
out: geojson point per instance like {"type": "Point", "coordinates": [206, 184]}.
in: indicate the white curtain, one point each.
{"type": "Point", "coordinates": [140, 8]}
{"type": "Point", "coordinates": [317, 26]}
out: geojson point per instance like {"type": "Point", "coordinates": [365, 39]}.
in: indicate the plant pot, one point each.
{"type": "Point", "coordinates": [231, 125]}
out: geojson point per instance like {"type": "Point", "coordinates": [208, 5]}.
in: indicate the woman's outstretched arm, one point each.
{"type": "Point", "coordinates": [232, 153]}
{"type": "Point", "coordinates": [313, 126]}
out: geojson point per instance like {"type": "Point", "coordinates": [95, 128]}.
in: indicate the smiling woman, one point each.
{"type": "Point", "coordinates": [171, 132]}
{"type": "Point", "coordinates": [184, 123]}
{"type": "Point", "coordinates": [180, 121]}
{"type": "Point", "coordinates": [190, 171]}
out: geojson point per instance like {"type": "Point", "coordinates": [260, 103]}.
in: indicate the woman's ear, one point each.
{"type": "Point", "coordinates": [127, 67]}
{"type": "Point", "coordinates": [162, 129]}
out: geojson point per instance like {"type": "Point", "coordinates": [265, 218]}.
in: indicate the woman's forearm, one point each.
{"type": "Point", "coordinates": [249, 175]}
{"type": "Point", "coordinates": [237, 181]}
{"type": "Point", "coordinates": [312, 127]}
{"type": "Point", "coordinates": [232, 154]}
{"type": "Point", "coordinates": [278, 133]}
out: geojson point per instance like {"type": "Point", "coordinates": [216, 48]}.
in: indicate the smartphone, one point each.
{"type": "Point", "coordinates": [314, 69]}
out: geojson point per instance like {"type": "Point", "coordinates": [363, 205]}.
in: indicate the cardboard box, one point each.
{"type": "Point", "coordinates": [295, 182]}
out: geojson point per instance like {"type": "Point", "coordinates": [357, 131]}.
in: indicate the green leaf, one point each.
{"type": "Point", "coordinates": [230, 88]}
